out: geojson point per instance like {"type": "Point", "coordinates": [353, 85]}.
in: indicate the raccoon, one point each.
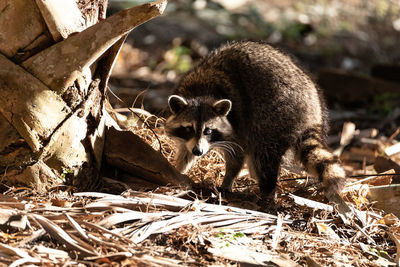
{"type": "Point", "coordinates": [253, 103]}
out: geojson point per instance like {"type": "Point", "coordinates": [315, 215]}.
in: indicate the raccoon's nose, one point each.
{"type": "Point", "coordinates": [197, 151]}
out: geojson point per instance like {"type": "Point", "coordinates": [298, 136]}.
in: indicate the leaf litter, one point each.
{"type": "Point", "coordinates": [171, 226]}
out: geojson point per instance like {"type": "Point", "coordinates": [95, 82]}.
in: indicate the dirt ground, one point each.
{"type": "Point", "coordinates": [135, 223]}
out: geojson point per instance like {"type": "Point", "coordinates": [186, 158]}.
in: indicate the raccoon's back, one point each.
{"type": "Point", "coordinates": [265, 86]}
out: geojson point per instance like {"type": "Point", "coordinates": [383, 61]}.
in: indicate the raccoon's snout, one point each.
{"type": "Point", "coordinates": [198, 147]}
{"type": "Point", "coordinates": [197, 151]}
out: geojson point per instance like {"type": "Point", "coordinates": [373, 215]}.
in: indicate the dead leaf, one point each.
{"type": "Point", "coordinates": [388, 219]}
{"type": "Point", "coordinates": [324, 229]}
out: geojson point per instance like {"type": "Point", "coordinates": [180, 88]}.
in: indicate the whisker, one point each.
{"type": "Point", "coordinates": [223, 148]}
{"type": "Point", "coordinates": [230, 143]}
{"type": "Point", "coordinates": [226, 146]}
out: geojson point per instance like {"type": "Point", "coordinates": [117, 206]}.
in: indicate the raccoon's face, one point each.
{"type": "Point", "coordinates": [198, 123]}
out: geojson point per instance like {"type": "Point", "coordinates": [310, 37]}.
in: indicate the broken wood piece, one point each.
{"type": "Point", "coordinates": [277, 233]}
{"type": "Point", "coordinates": [11, 220]}
{"type": "Point", "coordinates": [345, 212]}
{"type": "Point", "coordinates": [311, 203]}
{"type": "Point", "coordinates": [386, 72]}
{"type": "Point", "coordinates": [370, 141]}
{"type": "Point", "coordinates": [36, 102]}
{"type": "Point", "coordinates": [126, 151]}
{"type": "Point", "coordinates": [55, 153]}
{"type": "Point", "coordinates": [386, 197]}
{"type": "Point", "coordinates": [346, 136]}
{"type": "Point", "coordinates": [348, 132]}
{"type": "Point", "coordinates": [108, 61]}
{"type": "Point", "coordinates": [30, 29]}
{"type": "Point", "coordinates": [359, 154]}
{"type": "Point", "coordinates": [383, 164]}
{"type": "Point", "coordinates": [394, 135]}
{"type": "Point", "coordinates": [353, 89]}
{"type": "Point", "coordinates": [62, 17]}
{"type": "Point", "coordinates": [367, 133]}
{"type": "Point", "coordinates": [393, 149]}
{"type": "Point", "coordinates": [38, 176]}
{"type": "Point", "coordinates": [55, 67]}
{"type": "Point", "coordinates": [245, 256]}
{"type": "Point", "coordinates": [377, 179]}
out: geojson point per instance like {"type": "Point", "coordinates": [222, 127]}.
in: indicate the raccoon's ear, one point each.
{"type": "Point", "coordinates": [223, 106]}
{"type": "Point", "coordinates": [176, 103]}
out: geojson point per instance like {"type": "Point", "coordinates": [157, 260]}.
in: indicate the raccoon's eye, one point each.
{"type": "Point", "coordinates": [207, 131]}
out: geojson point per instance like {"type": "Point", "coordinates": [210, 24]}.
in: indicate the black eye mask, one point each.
{"type": "Point", "coordinates": [214, 136]}
{"type": "Point", "coordinates": [183, 132]}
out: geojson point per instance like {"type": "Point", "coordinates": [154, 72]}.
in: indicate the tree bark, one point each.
{"type": "Point", "coordinates": [55, 61]}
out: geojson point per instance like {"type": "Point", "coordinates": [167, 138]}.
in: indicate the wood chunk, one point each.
{"type": "Point", "coordinates": [38, 176]}
{"type": "Point", "coordinates": [368, 133]}
{"type": "Point", "coordinates": [81, 50]}
{"type": "Point", "coordinates": [347, 135]}
{"type": "Point", "coordinates": [248, 257]}
{"type": "Point", "coordinates": [62, 17]}
{"type": "Point", "coordinates": [383, 164]}
{"type": "Point", "coordinates": [353, 89]}
{"type": "Point", "coordinates": [393, 149]}
{"type": "Point", "coordinates": [386, 72]}
{"type": "Point", "coordinates": [8, 134]}
{"type": "Point", "coordinates": [387, 198]}
{"type": "Point", "coordinates": [359, 154]}
{"type": "Point", "coordinates": [36, 101]}
{"type": "Point", "coordinates": [311, 203]}
{"type": "Point", "coordinates": [382, 180]}
{"type": "Point", "coordinates": [29, 27]}
{"type": "Point", "coordinates": [126, 151]}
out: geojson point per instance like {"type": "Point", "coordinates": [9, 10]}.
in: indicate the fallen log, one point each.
{"type": "Point", "coordinates": [353, 89]}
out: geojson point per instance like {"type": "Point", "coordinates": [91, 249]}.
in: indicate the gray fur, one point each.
{"type": "Point", "coordinates": [275, 106]}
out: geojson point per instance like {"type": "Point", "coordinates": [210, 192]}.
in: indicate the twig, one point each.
{"type": "Point", "coordinates": [275, 238]}
{"type": "Point", "coordinates": [294, 179]}
{"type": "Point", "coordinates": [372, 175]}
{"type": "Point", "coordinates": [390, 139]}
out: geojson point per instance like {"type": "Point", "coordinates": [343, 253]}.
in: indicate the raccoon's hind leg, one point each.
{"type": "Point", "coordinates": [233, 164]}
{"type": "Point", "coordinates": [264, 164]}
{"type": "Point", "coordinates": [184, 159]}
{"type": "Point", "coordinates": [319, 161]}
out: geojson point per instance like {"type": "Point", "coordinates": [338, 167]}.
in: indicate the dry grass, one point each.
{"type": "Point", "coordinates": [175, 227]}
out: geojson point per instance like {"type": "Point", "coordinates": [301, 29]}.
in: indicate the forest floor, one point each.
{"type": "Point", "coordinates": [172, 226]}
{"type": "Point", "coordinates": [148, 225]}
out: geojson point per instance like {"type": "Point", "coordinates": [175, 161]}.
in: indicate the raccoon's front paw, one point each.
{"type": "Point", "coordinates": [225, 189]}
{"type": "Point", "coordinates": [227, 185]}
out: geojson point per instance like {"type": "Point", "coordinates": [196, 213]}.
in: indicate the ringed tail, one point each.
{"type": "Point", "coordinates": [319, 161]}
